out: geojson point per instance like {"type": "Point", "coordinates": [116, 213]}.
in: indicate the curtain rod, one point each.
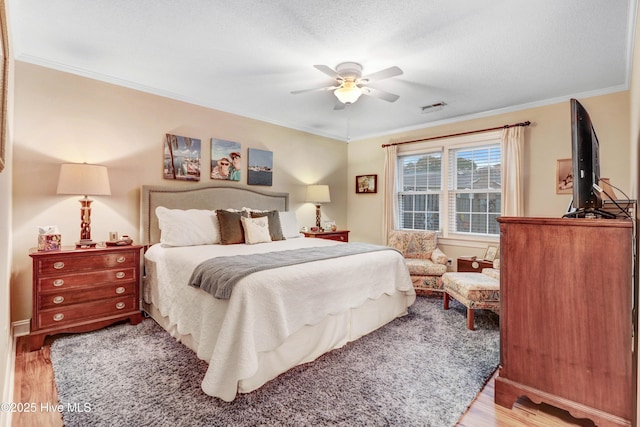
{"type": "Point", "coordinates": [527, 123]}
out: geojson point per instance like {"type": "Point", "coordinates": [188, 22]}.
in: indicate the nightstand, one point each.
{"type": "Point", "coordinates": [80, 290]}
{"type": "Point", "coordinates": [341, 235]}
{"type": "Point", "coordinates": [472, 264]}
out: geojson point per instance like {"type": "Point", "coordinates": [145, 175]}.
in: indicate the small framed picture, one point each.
{"type": "Point", "coordinates": [491, 253]}
{"type": "Point", "coordinates": [366, 184]}
{"type": "Point", "coordinates": [564, 176]}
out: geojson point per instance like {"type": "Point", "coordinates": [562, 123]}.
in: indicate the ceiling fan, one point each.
{"type": "Point", "coordinates": [350, 83]}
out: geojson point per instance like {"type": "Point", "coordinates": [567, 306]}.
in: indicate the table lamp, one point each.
{"type": "Point", "coordinates": [84, 179]}
{"type": "Point", "coordinates": [318, 194]}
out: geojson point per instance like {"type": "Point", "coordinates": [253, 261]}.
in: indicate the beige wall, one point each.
{"type": "Point", "coordinates": [60, 117]}
{"type": "Point", "coordinates": [546, 140]}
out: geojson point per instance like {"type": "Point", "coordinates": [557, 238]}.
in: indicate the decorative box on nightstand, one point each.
{"type": "Point", "coordinates": [80, 290]}
{"type": "Point", "coordinates": [341, 235]}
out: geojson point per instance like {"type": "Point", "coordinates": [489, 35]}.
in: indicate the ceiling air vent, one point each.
{"type": "Point", "coordinates": [433, 107]}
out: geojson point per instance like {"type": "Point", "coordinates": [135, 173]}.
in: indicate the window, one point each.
{"type": "Point", "coordinates": [455, 189]}
{"type": "Point", "coordinates": [420, 191]}
{"type": "Point", "coordinates": [475, 190]}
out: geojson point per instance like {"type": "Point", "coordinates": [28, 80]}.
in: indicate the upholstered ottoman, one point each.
{"type": "Point", "coordinates": [474, 290]}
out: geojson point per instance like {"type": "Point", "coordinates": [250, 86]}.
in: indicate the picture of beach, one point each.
{"type": "Point", "coordinates": [181, 158]}
{"type": "Point", "coordinates": [260, 167]}
{"type": "Point", "coordinates": [226, 160]}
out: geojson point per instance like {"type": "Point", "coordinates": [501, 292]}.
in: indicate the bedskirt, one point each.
{"type": "Point", "coordinates": [308, 343]}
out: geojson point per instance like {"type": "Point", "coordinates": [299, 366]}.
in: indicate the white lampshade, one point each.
{"type": "Point", "coordinates": [348, 93]}
{"type": "Point", "coordinates": [83, 179]}
{"type": "Point", "coordinates": [318, 194]}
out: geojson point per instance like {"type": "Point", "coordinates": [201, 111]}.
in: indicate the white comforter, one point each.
{"type": "Point", "coordinates": [265, 307]}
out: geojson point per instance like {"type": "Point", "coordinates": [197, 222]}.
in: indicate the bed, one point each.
{"type": "Point", "coordinates": [274, 319]}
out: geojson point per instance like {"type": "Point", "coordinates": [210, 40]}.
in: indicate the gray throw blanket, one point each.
{"type": "Point", "coordinates": [219, 275]}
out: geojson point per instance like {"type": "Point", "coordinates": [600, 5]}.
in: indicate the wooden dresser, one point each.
{"type": "Point", "coordinates": [80, 290]}
{"type": "Point", "coordinates": [341, 235]}
{"type": "Point", "coordinates": [566, 322]}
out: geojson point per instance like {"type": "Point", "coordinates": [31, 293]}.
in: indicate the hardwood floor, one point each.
{"type": "Point", "coordinates": [34, 384]}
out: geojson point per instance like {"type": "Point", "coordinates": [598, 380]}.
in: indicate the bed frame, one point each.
{"type": "Point", "coordinates": [302, 346]}
{"type": "Point", "coordinates": [219, 195]}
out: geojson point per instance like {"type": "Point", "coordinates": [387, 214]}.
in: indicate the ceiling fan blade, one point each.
{"type": "Point", "coordinates": [382, 74]}
{"type": "Point", "coordinates": [317, 89]}
{"type": "Point", "coordinates": [381, 94]}
{"type": "Point", "coordinates": [339, 105]}
{"type": "Point", "coordinates": [328, 71]}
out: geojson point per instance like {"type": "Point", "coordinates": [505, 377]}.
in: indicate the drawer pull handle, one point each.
{"type": "Point", "coordinates": [120, 274]}
{"type": "Point", "coordinates": [120, 290]}
{"type": "Point", "coordinates": [58, 265]}
{"type": "Point", "coordinates": [58, 317]}
{"type": "Point", "coordinates": [120, 305]}
{"type": "Point", "coordinates": [58, 300]}
{"type": "Point", "coordinates": [58, 282]}
{"type": "Point", "coordinates": [121, 259]}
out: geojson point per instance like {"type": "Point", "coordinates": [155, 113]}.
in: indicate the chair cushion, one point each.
{"type": "Point", "coordinates": [413, 244]}
{"type": "Point", "coordinates": [424, 267]}
{"type": "Point", "coordinates": [475, 290]}
{"type": "Point", "coordinates": [491, 272]}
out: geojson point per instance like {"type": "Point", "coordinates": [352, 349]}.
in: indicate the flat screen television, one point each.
{"type": "Point", "coordinates": [585, 152]}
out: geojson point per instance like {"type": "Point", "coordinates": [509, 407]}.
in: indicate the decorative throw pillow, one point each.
{"type": "Point", "coordinates": [289, 224]}
{"type": "Point", "coordinates": [231, 231]}
{"type": "Point", "coordinates": [189, 227]}
{"type": "Point", "coordinates": [275, 229]}
{"type": "Point", "coordinates": [256, 230]}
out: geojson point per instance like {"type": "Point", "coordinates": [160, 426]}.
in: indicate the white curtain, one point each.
{"type": "Point", "coordinates": [512, 171]}
{"type": "Point", "coordinates": [390, 202]}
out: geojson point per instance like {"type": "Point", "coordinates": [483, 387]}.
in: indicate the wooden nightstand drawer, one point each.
{"type": "Point", "coordinates": [97, 309]}
{"type": "Point", "coordinates": [77, 296]}
{"type": "Point", "coordinates": [92, 261]}
{"type": "Point", "coordinates": [339, 235]}
{"type": "Point", "coordinates": [80, 279]}
{"type": "Point", "coordinates": [473, 265]}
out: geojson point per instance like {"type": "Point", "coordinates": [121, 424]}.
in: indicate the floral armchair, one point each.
{"type": "Point", "coordinates": [425, 261]}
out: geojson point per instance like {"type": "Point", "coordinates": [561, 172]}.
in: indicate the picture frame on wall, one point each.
{"type": "Point", "coordinates": [4, 74]}
{"type": "Point", "coordinates": [564, 176]}
{"type": "Point", "coordinates": [226, 159]}
{"type": "Point", "coordinates": [260, 169]}
{"type": "Point", "coordinates": [181, 158]}
{"type": "Point", "coordinates": [366, 184]}
{"type": "Point", "coordinates": [491, 253]}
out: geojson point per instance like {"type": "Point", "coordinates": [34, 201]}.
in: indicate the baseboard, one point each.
{"type": "Point", "coordinates": [21, 328]}
{"type": "Point", "coordinates": [7, 392]}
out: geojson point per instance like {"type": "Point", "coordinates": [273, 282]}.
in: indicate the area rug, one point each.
{"type": "Point", "coordinates": [423, 369]}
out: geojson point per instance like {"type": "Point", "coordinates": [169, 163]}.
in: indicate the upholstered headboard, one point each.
{"type": "Point", "coordinates": [212, 196]}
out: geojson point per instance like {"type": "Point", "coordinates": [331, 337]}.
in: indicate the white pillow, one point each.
{"type": "Point", "coordinates": [246, 209]}
{"type": "Point", "coordinates": [256, 230]}
{"type": "Point", "coordinates": [187, 227]}
{"type": "Point", "coordinates": [289, 224]}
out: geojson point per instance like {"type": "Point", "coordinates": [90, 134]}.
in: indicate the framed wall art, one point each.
{"type": "Point", "coordinates": [4, 75]}
{"type": "Point", "coordinates": [181, 158]}
{"type": "Point", "coordinates": [226, 160]}
{"type": "Point", "coordinates": [366, 184]}
{"type": "Point", "coordinates": [564, 177]}
{"type": "Point", "coordinates": [260, 167]}
{"type": "Point", "coordinates": [491, 253]}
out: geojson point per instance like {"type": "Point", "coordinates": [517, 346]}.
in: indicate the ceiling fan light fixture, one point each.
{"type": "Point", "coordinates": [348, 93]}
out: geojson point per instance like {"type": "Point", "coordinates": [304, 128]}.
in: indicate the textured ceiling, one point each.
{"type": "Point", "coordinates": [245, 57]}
